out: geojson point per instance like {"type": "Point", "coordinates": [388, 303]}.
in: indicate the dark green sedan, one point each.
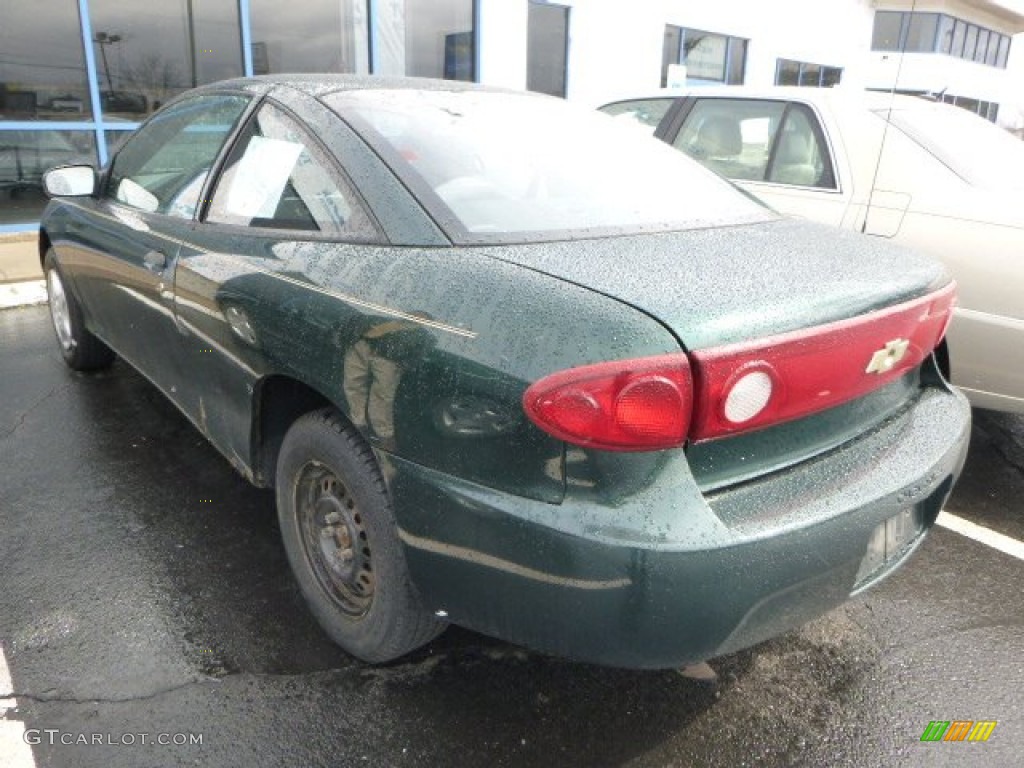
{"type": "Point", "coordinates": [510, 365]}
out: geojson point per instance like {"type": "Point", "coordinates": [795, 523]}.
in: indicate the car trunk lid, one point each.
{"type": "Point", "coordinates": [805, 298]}
{"type": "Point", "coordinates": [725, 285]}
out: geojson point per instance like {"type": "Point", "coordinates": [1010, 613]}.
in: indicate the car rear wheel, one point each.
{"type": "Point", "coordinates": [342, 541]}
{"type": "Point", "coordinates": [80, 349]}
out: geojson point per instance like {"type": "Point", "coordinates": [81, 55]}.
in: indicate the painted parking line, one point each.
{"type": "Point", "coordinates": [22, 294]}
{"type": "Point", "coordinates": [14, 752]}
{"type": "Point", "coordinates": [981, 534]}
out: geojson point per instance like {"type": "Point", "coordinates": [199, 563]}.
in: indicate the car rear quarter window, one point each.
{"type": "Point", "coordinates": [277, 177]}
{"type": "Point", "coordinates": [163, 167]}
{"type": "Point", "coordinates": [799, 157]}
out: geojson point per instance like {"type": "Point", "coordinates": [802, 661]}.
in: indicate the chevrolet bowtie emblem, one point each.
{"type": "Point", "coordinates": [886, 358]}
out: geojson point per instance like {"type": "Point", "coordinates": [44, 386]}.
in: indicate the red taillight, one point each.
{"type": "Point", "coordinates": [624, 405]}
{"type": "Point", "coordinates": [810, 370]}
{"type": "Point", "coordinates": [658, 402]}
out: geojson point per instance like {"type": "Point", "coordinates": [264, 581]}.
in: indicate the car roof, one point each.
{"type": "Point", "coordinates": [322, 84]}
{"type": "Point", "coordinates": [872, 100]}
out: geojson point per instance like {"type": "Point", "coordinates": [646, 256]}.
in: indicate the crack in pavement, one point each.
{"type": "Point", "coordinates": [20, 419]}
{"type": "Point", "coordinates": [40, 698]}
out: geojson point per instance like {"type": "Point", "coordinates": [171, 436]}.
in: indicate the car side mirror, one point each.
{"type": "Point", "coordinates": [70, 181]}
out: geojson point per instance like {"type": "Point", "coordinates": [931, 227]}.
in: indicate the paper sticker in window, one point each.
{"type": "Point", "coordinates": [261, 176]}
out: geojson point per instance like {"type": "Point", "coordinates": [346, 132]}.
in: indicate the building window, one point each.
{"type": "Point", "coordinates": [888, 31]}
{"type": "Point", "coordinates": [547, 48]}
{"type": "Point", "coordinates": [42, 66]}
{"type": "Point", "coordinates": [328, 36]}
{"type": "Point", "coordinates": [921, 31]}
{"type": "Point", "coordinates": [1004, 51]}
{"type": "Point", "coordinates": [147, 53]}
{"type": "Point", "coordinates": [789, 72]}
{"type": "Point", "coordinates": [708, 57]}
{"type": "Point", "coordinates": [425, 38]}
{"type": "Point", "coordinates": [24, 156]}
{"type": "Point", "coordinates": [932, 32]}
{"type": "Point", "coordinates": [986, 109]}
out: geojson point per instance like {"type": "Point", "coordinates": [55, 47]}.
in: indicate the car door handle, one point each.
{"type": "Point", "coordinates": [155, 261]}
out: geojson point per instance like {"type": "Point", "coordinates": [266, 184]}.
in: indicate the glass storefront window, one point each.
{"type": "Point", "coordinates": [42, 66]}
{"type": "Point", "coordinates": [704, 55]}
{"type": "Point", "coordinates": [921, 32]}
{"type": "Point", "coordinates": [425, 38]}
{"type": "Point", "coordinates": [959, 33]}
{"type": "Point", "coordinates": [993, 50]}
{"type": "Point", "coordinates": [737, 60]}
{"type": "Point", "coordinates": [886, 35]}
{"type": "Point", "coordinates": [928, 32]}
{"type": "Point", "coordinates": [831, 76]}
{"type": "Point", "coordinates": [970, 41]}
{"type": "Point", "coordinates": [708, 57]}
{"type": "Point", "coordinates": [982, 49]}
{"type": "Point", "coordinates": [787, 72]}
{"type": "Point", "coordinates": [810, 74]}
{"type": "Point", "coordinates": [115, 139]}
{"type": "Point", "coordinates": [945, 39]}
{"type": "Point", "coordinates": [24, 156]}
{"type": "Point", "coordinates": [547, 48]}
{"type": "Point", "coordinates": [1004, 52]}
{"type": "Point", "coordinates": [326, 36]}
{"type": "Point", "coordinates": [147, 53]}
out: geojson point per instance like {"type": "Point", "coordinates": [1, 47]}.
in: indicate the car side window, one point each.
{"type": "Point", "coordinates": [800, 158]}
{"type": "Point", "coordinates": [162, 168]}
{"type": "Point", "coordinates": [732, 136]}
{"type": "Point", "coordinates": [277, 177]}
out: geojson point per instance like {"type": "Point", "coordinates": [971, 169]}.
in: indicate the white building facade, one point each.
{"type": "Point", "coordinates": [614, 47]}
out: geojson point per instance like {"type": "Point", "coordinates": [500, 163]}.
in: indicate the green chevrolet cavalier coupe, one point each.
{"type": "Point", "coordinates": [510, 365]}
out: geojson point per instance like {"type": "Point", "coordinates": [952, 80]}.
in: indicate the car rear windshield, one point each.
{"type": "Point", "coordinates": [978, 151]}
{"type": "Point", "coordinates": [503, 167]}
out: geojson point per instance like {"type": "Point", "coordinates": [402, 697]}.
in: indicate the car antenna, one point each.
{"type": "Point", "coordinates": [888, 116]}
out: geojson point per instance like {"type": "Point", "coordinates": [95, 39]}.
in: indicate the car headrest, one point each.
{"type": "Point", "coordinates": [719, 136]}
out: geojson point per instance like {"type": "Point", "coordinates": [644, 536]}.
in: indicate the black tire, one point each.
{"type": "Point", "coordinates": [342, 541]}
{"type": "Point", "coordinates": [80, 349]}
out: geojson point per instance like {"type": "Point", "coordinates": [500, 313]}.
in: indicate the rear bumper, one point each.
{"type": "Point", "coordinates": [667, 575]}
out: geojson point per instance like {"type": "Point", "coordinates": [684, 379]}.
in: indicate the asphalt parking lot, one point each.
{"type": "Point", "coordinates": [144, 593]}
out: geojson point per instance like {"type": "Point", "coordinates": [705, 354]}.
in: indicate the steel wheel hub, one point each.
{"type": "Point", "coordinates": [334, 538]}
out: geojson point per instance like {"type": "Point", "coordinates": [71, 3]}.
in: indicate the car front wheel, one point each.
{"type": "Point", "coordinates": [342, 541]}
{"type": "Point", "coordinates": [80, 349]}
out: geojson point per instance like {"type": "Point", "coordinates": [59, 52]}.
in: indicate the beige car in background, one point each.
{"type": "Point", "coordinates": [928, 175]}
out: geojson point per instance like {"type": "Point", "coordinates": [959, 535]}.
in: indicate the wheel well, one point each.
{"type": "Point", "coordinates": [279, 401]}
{"type": "Point", "coordinates": [44, 245]}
